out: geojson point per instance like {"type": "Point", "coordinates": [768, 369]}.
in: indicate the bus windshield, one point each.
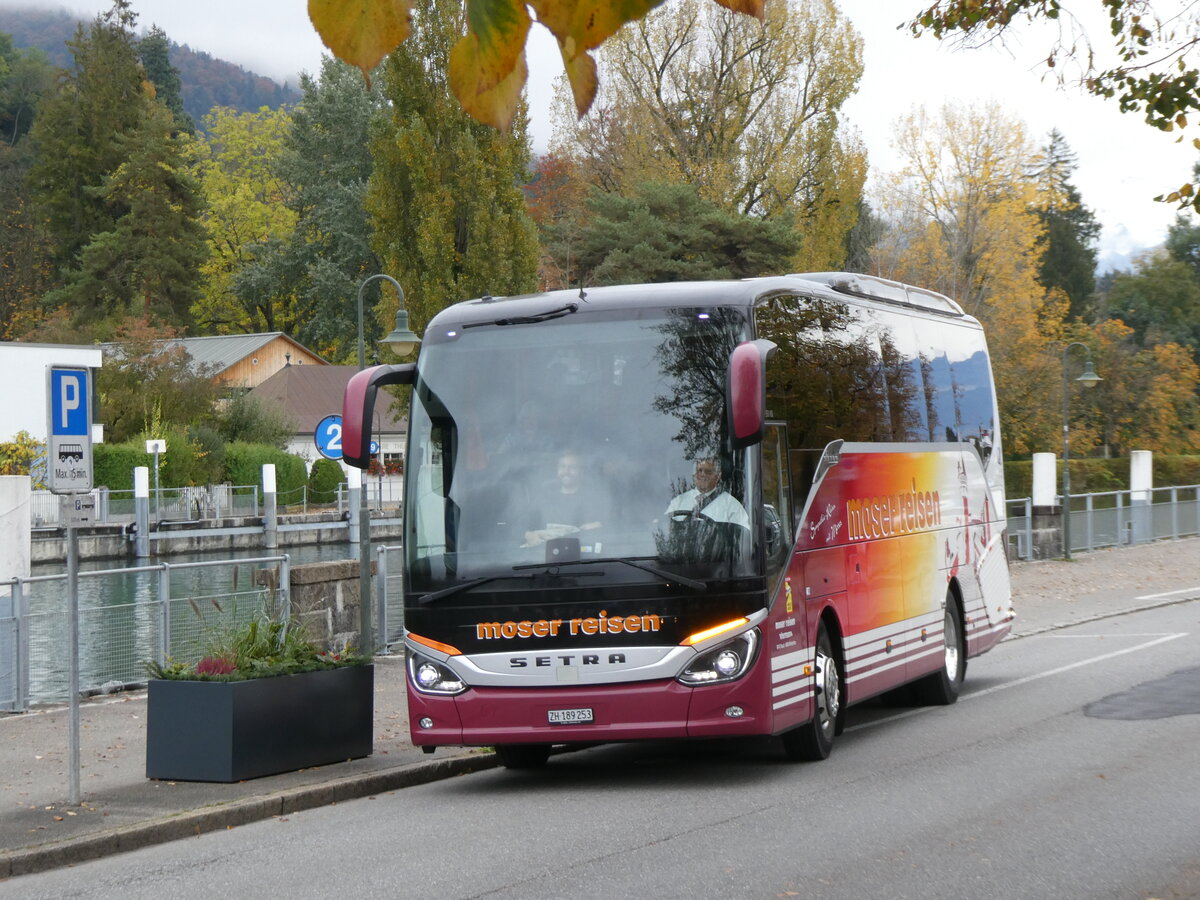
{"type": "Point", "coordinates": [589, 436]}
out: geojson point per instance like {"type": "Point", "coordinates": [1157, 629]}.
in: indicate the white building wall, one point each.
{"type": "Point", "coordinates": [23, 376]}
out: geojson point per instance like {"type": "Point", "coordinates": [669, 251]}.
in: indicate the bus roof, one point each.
{"type": "Point", "coordinates": [744, 292]}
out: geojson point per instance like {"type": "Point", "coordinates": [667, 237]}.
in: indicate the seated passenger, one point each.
{"type": "Point", "coordinates": [566, 506]}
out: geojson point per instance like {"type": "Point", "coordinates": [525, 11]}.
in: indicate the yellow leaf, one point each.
{"type": "Point", "coordinates": [493, 105]}
{"type": "Point", "coordinates": [582, 25]}
{"type": "Point", "coordinates": [581, 72]}
{"type": "Point", "coordinates": [360, 32]}
{"type": "Point", "coordinates": [497, 29]}
{"type": "Point", "coordinates": [749, 7]}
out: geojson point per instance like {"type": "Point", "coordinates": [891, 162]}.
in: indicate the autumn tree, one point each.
{"type": "Point", "coordinates": [484, 67]}
{"type": "Point", "coordinates": [1151, 69]}
{"type": "Point", "coordinates": [1069, 229]}
{"type": "Point", "coordinates": [236, 165]}
{"type": "Point", "coordinates": [448, 216]}
{"type": "Point", "coordinates": [962, 219]}
{"type": "Point", "coordinates": [556, 197]}
{"type": "Point", "coordinates": [1147, 400]}
{"type": "Point", "coordinates": [747, 112]}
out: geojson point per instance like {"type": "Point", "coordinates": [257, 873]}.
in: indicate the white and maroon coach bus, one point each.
{"type": "Point", "coordinates": [693, 510]}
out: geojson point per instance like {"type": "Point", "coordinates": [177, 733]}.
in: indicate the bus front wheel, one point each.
{"type": "Point", "coordinates": [813, 741]}
{"type": "Point", "coordinates": [523, 756]}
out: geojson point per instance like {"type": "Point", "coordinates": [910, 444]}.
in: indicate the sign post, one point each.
{"type": "Point", "coordinates": [69, 471]}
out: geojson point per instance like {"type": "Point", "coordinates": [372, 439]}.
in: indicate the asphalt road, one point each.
{"type": "Point", "coordinates": [1068, 769]}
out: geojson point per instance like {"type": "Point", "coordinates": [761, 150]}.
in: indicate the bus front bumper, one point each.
{"type": "Point", "coordinates": [624, 712]}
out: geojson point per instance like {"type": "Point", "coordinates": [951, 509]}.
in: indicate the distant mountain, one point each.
{"type": "Point", "coordinates": [207, 82]}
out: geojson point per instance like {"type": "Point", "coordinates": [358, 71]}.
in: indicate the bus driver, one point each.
{"type": "Point", "coordinates": [708, 500]}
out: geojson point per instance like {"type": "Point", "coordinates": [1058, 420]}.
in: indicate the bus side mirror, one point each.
{"type": "Point", "coordinates": [746, 385]}
{"type": "Point", "coordinates": [358, 405]}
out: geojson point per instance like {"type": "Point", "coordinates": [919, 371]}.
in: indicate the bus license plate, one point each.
{"type": "Point", "coordinates": [569, 716]}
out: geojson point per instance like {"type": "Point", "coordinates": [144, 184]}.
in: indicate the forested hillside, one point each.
{"type": "Point", "coordinates": [207, 82]}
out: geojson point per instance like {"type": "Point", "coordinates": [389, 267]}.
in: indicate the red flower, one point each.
{"type": "Point", "coordinates": [214, 665]}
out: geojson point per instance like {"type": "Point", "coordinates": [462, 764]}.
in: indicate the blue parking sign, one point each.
{"type": "Point", "coordinates": [69, 429]}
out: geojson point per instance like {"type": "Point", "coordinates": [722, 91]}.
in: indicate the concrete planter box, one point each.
{"type": "Point", "coordinates": [233, 730]}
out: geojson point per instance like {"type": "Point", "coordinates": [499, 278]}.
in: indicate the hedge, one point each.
{"type": "Point", "coordinates": [113, 466]}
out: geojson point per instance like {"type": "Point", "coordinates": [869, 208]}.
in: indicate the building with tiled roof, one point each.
{"type": "Point", "coordinates": [307, 394]}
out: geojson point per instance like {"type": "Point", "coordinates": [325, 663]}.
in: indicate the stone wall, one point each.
{"type": "Point", "coordinates": [326, 599]}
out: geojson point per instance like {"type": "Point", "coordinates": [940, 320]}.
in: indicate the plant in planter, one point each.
{"type": "Point", "coordinates": [262, 699]}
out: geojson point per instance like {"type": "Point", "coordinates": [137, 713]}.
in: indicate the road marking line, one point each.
{"type": "Point", "coordinates": [1028, 678]}
{"type": "Point", "coordinates": [1170, 593]}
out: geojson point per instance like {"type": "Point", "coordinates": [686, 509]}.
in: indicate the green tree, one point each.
{"type": "Point", "coordinates": [148, 381]}
{"type": "Point", "coordinates": [666, 232]}
{"type": "Point", "coordinates": [449, 219]}
{"type": "Point", "coordinates": [154, 50]}
{"type": "Point", "coordinates": [326, 163]}
{"type": "Point", "coordinates": [25, 76]}
{"type": "Point", "coordinates": [1160, 301]}
{"type": "Point", "coordinates": [147, 261]}
{"type": "Point", "coordinates": [77, 132]}
{"type": "Point", "coordinates": [25, 264]}
{"type": "Point", "coordinates": [246, 419]}
{"type": "Point", "coordinates": [1070, 229]}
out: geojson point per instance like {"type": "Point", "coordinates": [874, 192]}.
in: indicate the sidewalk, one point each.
{"type": "Point", "coordinates": [122, 810]}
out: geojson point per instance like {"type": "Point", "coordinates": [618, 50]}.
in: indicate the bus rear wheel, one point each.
{"type": "Point", "coordinates": [523, 756]}
{"type": "Point", "coordinates": [813, 741]}
{"type": "Point", "coordinates": [941, 688]}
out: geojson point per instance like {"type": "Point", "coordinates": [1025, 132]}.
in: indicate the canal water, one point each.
{"type": "Point", "coordinates": [122, 621]}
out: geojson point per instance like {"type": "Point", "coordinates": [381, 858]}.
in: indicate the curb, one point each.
{"type": "Point", "coordinates": [1057, 626]}
{"type": "Point", "coordinates": [239, 812]}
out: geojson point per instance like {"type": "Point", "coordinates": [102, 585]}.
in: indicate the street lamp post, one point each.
{"type": "Point", "coordinates": [1088, 379]}
{"type": "Point", "coordinates": [402, 341]}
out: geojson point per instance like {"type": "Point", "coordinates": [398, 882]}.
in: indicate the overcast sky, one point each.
{"type": "Point", "coordinates": [1123, 163]}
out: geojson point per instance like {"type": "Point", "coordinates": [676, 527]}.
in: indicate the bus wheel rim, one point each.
{"type": "Point", "coordinates": [951, 640]}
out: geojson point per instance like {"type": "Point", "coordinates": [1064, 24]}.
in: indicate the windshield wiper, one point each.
{"type": "Point", "coordinates": [671, 577]}
{"type": "Point", "coordinates": [476, 582]}
{"type": "Point", "coordinates": [530, 320]}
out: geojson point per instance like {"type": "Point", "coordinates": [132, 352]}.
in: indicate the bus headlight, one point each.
{"type": "Point", "coordinates": [431, 677]}
{"type": "Point", "coordinates": [724, 663]}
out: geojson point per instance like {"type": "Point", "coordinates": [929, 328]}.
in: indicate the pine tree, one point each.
{"type": "Point", "coordinates": [449, 218]}
{"type": "Point", "coordinates": [76, 132]}
{"type": "Point", "coordinates": [1068, 242]}
{"type": "Point", "coordinates": [154, 51]}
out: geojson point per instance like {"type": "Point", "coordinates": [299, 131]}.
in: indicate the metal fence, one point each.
{"type": "Point", "coordinates": [1113, 519]}
{"type": "Point", "coordinates": [127, 618]}
{"type": "Point", "coordinates": [214, 501]}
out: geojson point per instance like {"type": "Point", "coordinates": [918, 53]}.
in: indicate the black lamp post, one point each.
{"type": "Point", "coordinates": [1088, 379]}
{"type": "Point", "coordinates": [402, 341]}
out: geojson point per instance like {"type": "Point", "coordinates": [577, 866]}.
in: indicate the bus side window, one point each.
{"type": "Point", "coordinates": [776, 494]}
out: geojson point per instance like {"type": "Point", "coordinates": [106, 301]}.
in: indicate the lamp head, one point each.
{"type": "Point", "coordinates": [401, 339]}
{"type": "Point", "coordinates": [1089, 378]}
